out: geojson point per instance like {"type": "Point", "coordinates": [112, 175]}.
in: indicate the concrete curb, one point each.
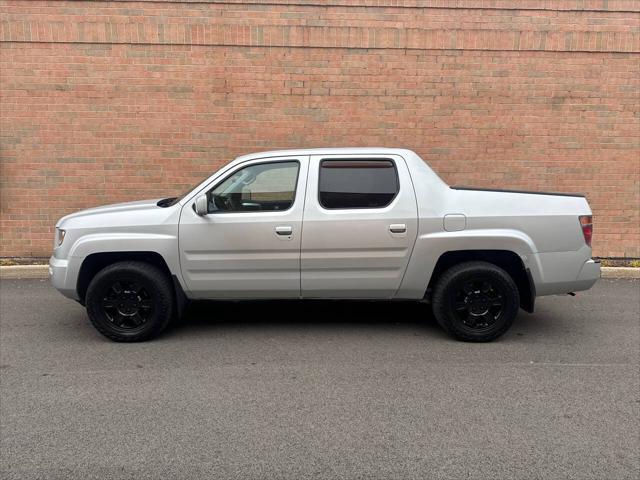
{"type": "Point", "coordinates": [42, 271]}
{"type": "Point", "coordinates": [24, 271]}
{"type": "Point", "coordinates": [620, 272]}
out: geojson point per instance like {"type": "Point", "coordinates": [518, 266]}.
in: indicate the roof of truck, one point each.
{"type": "Point", "coordinates": [327, 151]}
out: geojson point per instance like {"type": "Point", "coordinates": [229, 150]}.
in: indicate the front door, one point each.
{"type": "Point", "coordinates": [248, 245]}
{"type": "Point", "coordinates": [360, 225]}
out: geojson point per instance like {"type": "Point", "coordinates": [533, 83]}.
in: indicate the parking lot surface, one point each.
{"type": "Point", "coordinates": [297, 390]}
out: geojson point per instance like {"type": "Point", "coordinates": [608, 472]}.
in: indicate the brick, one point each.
{"type": "Point", "coordinates": [113, 101]}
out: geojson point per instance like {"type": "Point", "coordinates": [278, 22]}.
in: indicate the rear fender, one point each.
{"type": "Point", "coordinates": [431, 246]}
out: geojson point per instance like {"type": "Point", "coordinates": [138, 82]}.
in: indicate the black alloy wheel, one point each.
{"type": "Point", "coordinates": [130, 301]}
{"type": "Point", "coordinates": [479, 303]}
{"type": "Point", "coordinates": [127, 304]}
{"type": "Point", "coordinates": [475, 301]}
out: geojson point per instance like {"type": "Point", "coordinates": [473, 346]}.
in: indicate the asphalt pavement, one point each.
{"type": "Point", "coordinates": [296, 390]}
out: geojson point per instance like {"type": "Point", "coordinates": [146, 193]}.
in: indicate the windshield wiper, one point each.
{"type": "Point", "coordinates": [167, 202]}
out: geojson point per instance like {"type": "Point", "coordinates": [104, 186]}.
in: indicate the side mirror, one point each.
{"type": "Point", "coordinates": [201, 205]}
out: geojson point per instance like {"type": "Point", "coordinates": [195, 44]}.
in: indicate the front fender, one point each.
{"type": "Point", "coordinates": [166, 245]}
{"type": "Point", "coordinates": [430, 246]}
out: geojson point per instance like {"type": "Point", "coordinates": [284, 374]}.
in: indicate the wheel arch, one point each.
{"type": "Point", "coordinates": [508, 260]}
{"type": "Point", "coordinates": [95, 262]}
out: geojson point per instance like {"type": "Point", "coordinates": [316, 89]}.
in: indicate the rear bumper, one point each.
{"type": "Point", "coordinates": [589, 274]}
{"type": "Point", "coordinates": [563, 272]}
{"type": "Point", "coordinates": [59, 276]}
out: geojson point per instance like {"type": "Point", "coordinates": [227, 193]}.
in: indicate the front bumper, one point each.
{"type": "Point", "coordinates": [59, 275]}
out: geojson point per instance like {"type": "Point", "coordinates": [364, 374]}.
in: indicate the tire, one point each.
{"type": "Point", "coordinates": [475, 301]}
{"type": "Point", "coordinates": [130, 301]}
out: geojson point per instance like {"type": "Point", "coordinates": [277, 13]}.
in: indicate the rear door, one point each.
{"type": "Point", "coordinates": [248, 245]}
{"type": "Point", "coordinates": [360, 225]}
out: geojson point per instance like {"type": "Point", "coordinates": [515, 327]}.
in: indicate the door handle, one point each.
{"type": "Point", "coordinates": [397, 228]}
{"type": "Point", "coordinates": [284, 230]}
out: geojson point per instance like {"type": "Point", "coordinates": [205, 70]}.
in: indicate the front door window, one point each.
{"type": "Point", "coordinates": [260, 187]}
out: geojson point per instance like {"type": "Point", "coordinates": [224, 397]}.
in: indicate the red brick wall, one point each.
{"type": "Point", "coordinates": [111, 101]}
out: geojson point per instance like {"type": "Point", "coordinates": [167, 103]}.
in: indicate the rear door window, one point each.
{"type": "Point", "coordinates": [357, 183]}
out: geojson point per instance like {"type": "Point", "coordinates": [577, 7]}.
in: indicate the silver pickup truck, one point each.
{"type": "Point", "coordinates": [336, 223]}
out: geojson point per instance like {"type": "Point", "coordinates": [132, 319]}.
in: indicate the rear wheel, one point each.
{"type": "Point", "coordinates": [130, 301]}
{"type": "Point", "coordinates": [475, 301]}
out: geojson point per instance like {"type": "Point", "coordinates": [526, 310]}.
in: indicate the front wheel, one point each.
{"type": "Point", "coordinates": [475, 301]}
{"type": "Point", "coordinates": [130, 301]}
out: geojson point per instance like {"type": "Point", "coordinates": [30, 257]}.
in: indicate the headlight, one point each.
{"type": "Point", "coordinates": [60, 233]}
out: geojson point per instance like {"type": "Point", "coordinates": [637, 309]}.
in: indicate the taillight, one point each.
{"type": "Point", "coordinates": [586, 222]}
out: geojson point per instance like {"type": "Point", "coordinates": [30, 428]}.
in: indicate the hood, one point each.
{"type": "Point", "coordinates": [116, 208]}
